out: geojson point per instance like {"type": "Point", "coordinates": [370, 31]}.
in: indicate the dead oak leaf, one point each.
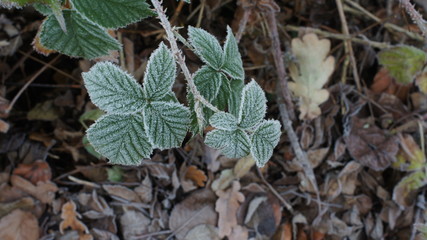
{"type": "Point", "coordinates": [227, 206]}
{"type": "Point", "coordinates": [70, 220]}
{"type": "Point", "coordinates": [43, 191]}
{"type": "Point", "coordinates": [19, 225]}
{"type": "Point", "coordinates": [310, 73]}
{"type": "Point", "coordinates": [196, 175]}
{"type": "Point", "coordinates": [370, 145]}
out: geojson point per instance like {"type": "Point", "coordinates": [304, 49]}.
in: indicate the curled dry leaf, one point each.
{"type": "Point", "coordinates": [196, 209]}
{"type": "Point", "coordinates": [70, 219]}
{"type": "Point", "coordinates": [43, 191]}
{"type": "Point", "coordinates": [38, 171]}
{"type": "Point", "coordinates": [410, 157]}
{"type": "Point", "coordinates": [310, 73]}
{"type": "Point", "coordinates": [370, 145]}
{"type": "Point", "coordinates": [196, 175]}
{"type": "Point", "coordinates": [227, 206]}
{"type": "Point", "coordinates": [203, 232]}
{"type": "Point", "coordinates": [19, 225]}
{"type": "Point", "coordinates": [122, 192]}
{"type": "Point", "coordinates": [145, 190]}
{"type": "Point", "coordinates": [133, 224]}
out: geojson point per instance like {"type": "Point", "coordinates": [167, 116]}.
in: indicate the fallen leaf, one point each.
{"type": "Point", "coordinates": [410, 157]}
{"type": "Point", "coordinates": [38, 171]}
{"type": "Point", "coordinates": [239, 232]}
{"type": "Point", "coordinates": [370, 145]}
{"type": "Point", "coordinates": [145, 190]}
{"type": "Point", "coordinates": [19, 225]}
{"type": "Point", "coordinates": [384, 83]}
{"type": "Point", "coordinates": [311, 73]}
{"type": "Point", "coordinates": [203, 232]}
{"type": "Point", "coordinates": [284, 232]}
{"type": "Point", "coordinates": [4, 126]}
{"type": "Point", "coordinates": [121, 192]}
{"type": "Point", "coordinates": [224, 180]}
{"type": "Point", "coordinates": [196, 175]}
{"type": "Point", "coordinates": [43, 111]}
{"type": "Point", "coordinates": [197, 208]}
{"type": "Point", "coordinates": [133, 224]}
{"type": "Point", "coordinates": [43, 191]}
{"type": "Point", "coordinates": [227, 206]}
{"type": "Point", "coordinates": [405, 191]}
{"type": "Point", "coordinates": [25, 203]}
{"type": "Point", "coordinates": [70, 219]}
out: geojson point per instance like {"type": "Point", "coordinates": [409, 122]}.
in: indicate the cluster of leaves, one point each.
{"type": "Point", "coordinates": [79, 28]}
{"type": "Point", "coordinates": [138, 118]}
{"type": "Point", "coordinates": [240, 131]}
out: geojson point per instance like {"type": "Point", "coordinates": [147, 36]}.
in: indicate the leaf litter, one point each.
{"type": "Point", "coordinates": [367, 148]}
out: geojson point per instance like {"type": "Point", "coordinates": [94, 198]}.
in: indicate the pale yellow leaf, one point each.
{"type": "Point", "coordinates": [310, 73]}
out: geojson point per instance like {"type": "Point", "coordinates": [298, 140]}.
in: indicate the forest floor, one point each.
{"type": "Point", "coordinates": [366, 148]}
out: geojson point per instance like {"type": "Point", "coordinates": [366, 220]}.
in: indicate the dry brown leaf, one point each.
{"type": "Point", "coordinates": [4, 126]}
{"type": "Point", "coordinates": [196, 175]}
{"type": "Point", "coordinates": [203, 232]}
{"type": "Point", "coordinates": [43, 191]}
{"type": "Point", "coordinates": [122, 192]}
{"type": "Point", "coordinates": [25, 203]}
{"type": "Point", "coordinates": [70, 219]}
{"type": "Point", "coordinates": [38, 171]}
{"type": "Point", "coordinates": [284, 232]}
{"type": "Point", "coordinates": [133, 224]}
{"type": "Point", "coordinates": [311, 73]}
{"type": "Point", "coordinates": [227, 206]}
{"type": "Point", "coordinates": [239, 232]}
{"type": "Point", "coordinates": [195, 209]}
{"type": "Point", "coordinates": [145, 190]}
{"type": "Point", "coordinates": [224, 180]}
{"type": "Point", "coordinates": [19, 225]}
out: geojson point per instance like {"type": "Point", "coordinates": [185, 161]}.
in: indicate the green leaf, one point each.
{"type": "Point", "coordinates": [403, 62]}
{"type": "Point", "coordinates": [235, 96]}
{"type": "Point", "coordinates": [405, 191]}
{"type": "Point", "coordinates": [82, 39]}
{"type": "Point", "coordinates": [120, 138]}
{"type": "Point", "coordinates": [113, 13]}
{"type": "Point", "coordinates": [20, 3]}
{"type": "Point", "coordinates": [264, 140]}
{"type": "Point", "coordinates": [160, 74]}
{"type": "Point", "coordinates": [233, 65]}
{"type": "Point", "coordinates": [166, 124]}
{"type": "Point", "coordinates": [115, 174]}
{"type": "Point", "coordinates": [253, 105]}
{"type": "Point", "coordinates": [208, 82]}
{"type": "Point", "coordinates": [113, 90]}
{"type": "Point", "coordinates": [206, 47]}
{"type": "Point", "coordinates": [223, 121]}
{"type": "Point", "coordinates": [233, 144]}
{"type": "Point", "coordinates": [89, 148]}
{"type": "Point", "coordinates": [91, 115]}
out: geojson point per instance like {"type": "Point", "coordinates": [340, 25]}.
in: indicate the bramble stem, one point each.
{"type": "Point", "coordinates": [179, 57]}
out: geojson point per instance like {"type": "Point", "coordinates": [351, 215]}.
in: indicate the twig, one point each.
{"type": "Point", "coordinates": [380, 45]}
{"type": "Point", "coordinates": [243, 22]}
{"type": "Point", "coordinates": [283, 93]}
{"type": "Point", "coordinates": [179, 57]}
{"type": "Point", "coordinates": [415, 15]}
{"type": "Point", "coordinates": [40, 71]}
{"type": "Point", "coordinates": [347, 44]}
{"type": "Point", "coordinates": [388, 26]}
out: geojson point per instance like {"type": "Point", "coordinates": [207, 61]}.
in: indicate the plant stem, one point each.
{"type": "Point", "coordinates": [179, 57]}
{"type": "Point", "coordinates": [415, 15]}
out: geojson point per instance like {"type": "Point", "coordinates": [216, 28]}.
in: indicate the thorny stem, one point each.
{"type": "Point", "coordinates": [415, 15]}
{"type": "Point", "coordinates": [179, 57]}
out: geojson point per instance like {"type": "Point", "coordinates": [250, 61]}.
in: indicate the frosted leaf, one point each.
{"type": "Point", "coordinates": [264, 140]}
{"type": "Point", "coordinates": [113, 13]}
{"type": "Point", "coordinates": [206, 47]}
{"type": "Point", "coordinates": [223, 121]}
{"type": "Point", "coordinates": [253, 105]}
{"type": "Point", "coordinates": [235, 95]}
{"type": "Point", "coordinates": [160, 74]}
{"type": "Point", "coordinates": [233, 65]}
{"type": "Point", "coordinates": [82, 39]}
{"type": "Point", "coordinates": [233, 144]}
{"type": "Point", "coordinates": [208, 82]}
{"type": "Point", "coordinates": [120, 138]}
{"type": "Point", "coordinates": [166, 123]}
{"type": "Point", "coordinates": [113, 90]}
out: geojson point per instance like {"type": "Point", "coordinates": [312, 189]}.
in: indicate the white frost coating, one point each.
{"type": "Point", "coordinates": [264, 140]}
{"type": "Point", "coordinates": [120, 138]}
{"type": "Point", "coordinates": [233, 144]}
{"type": "Point", "coordinates": [113, 90]}
{"type": "Point", "coordinates": [166, 123]}
{"type": "Point", "coordinates": [160, 73]}
{"type": "Point", "coordinates": [208, 82]}
{"type": "Point", "coordinates": [206, 47]}
{"type": "Point", "coordinates": [223, 121]}
{"type": "Point", "coordinates": [252, 106]}
{"type": "Point", "coordinates": [233, 64]}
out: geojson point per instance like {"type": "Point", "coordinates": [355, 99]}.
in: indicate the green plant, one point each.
{"type": "Point", "coordinates": [139, 118]}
